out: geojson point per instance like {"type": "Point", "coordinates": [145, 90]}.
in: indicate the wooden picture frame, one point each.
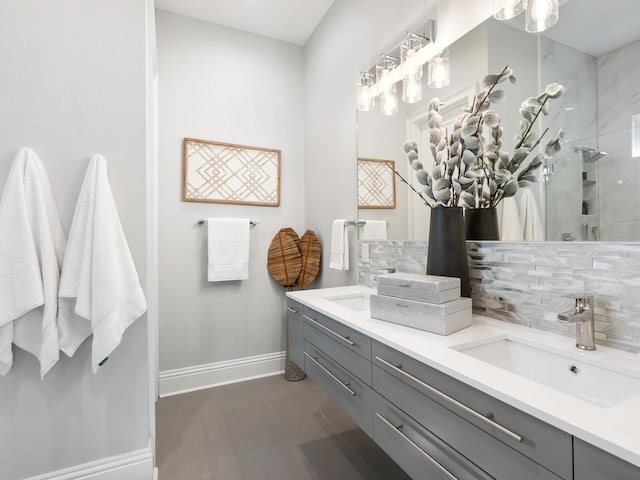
{"type": "Point", "coordinates": [376, 183]}
{"type": "Point", "coordinates": [219, 172]}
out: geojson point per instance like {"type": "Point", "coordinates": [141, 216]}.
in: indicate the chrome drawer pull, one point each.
{"type": "Point", "coordinates": [432, 460]}
{"type": "Point", "coordinates": [346, 387]}
{"type": "Point", "coordinates": [462, 406]}
{"type": "Point", "coordinates": [291, 310]}
{"type": "Point", "coordinates": [344, 339]}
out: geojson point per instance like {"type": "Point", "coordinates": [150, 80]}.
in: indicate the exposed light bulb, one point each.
{"type": "Point", "coordinates": [386, 84]}
{"type": "Point", "coordinates": [541, 14]}
{"type": "Point", "coordinates": [365, 100]}
{"type": "Point", "coordinates": [389, 103]}
{"type": "Point", "coordinates": [506, 9]}
{"type": "Point", "coordinates": [411, 90]}
{"type": "Point", "coordinates": [438, 69]}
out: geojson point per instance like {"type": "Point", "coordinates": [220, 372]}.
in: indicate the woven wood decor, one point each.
{"type": "Point", "coordinates": [284, 260]}
{"type": "Point", "coordinates": [227, 173]}
{"type": "Point", "coordinates": [310, 250]}
{"type": "Point", "coordinates": [376, 183]}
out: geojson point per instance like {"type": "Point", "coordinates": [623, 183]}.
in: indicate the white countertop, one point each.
{"type": "Point", "coordinates": [615, 429]}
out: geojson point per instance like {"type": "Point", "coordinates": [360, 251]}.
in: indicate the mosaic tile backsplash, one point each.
{"type": "Point", "coordinates": [530, 283]}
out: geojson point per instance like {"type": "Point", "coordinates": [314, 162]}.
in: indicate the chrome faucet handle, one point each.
{"type": "Point", "coordinates": [582, 316]}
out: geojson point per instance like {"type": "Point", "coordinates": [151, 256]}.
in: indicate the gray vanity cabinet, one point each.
{"type": "Point", "coordinates": [295, 339]}
{"type": "Point", "coordinates": [335, 358]}
{"type": "Point", "coordinates": [502, 440]}
{"type": "Point", "coordinates": [592, 463]}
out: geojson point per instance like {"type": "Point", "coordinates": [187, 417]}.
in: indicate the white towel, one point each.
{"type": "Point", "coordinates": [509, 220]}
{"type": "Point", "coordinates": [100, 291]}
{"type": "Point", "coordinates": [32, 242]}
{"type": "Point", "coordinates": [228, 249]}
{"type": "Point", "coordinates": [374, 230]}
{"type": "Point", "coordinates": [339, 245]}
{"type": "Point", "coordinates": [530, 218]}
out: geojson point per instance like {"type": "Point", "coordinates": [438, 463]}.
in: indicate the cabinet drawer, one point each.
{"type": "Point", "coordinates": [537, 440]}
{"type": "Point", "coordinates": [420, 453]}
{"type": "Point", "coordinates": [295, 340]}
{"type": "Point", "coordinates": [591, 463]}
{"type": "Point", "coordinates": [340, 354]}
{"type": "Point", "coordinates": [355, 341]}
{"type": "Point", "coordinates": [351, 394]}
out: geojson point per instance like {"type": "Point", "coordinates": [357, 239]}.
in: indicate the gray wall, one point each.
{"type": "Point", "coordinates": [73, 84]}
{"type": "Point", "coordinates": [221, 84]}
{"type": "Point", "coordinates": [349, 39]}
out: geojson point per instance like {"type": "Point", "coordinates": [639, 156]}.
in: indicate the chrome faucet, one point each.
{"type": "Point", "coordinates": [582, 316]}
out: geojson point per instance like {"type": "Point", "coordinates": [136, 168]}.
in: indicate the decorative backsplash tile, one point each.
{"type": "Point", "coordinates": [530, 283]}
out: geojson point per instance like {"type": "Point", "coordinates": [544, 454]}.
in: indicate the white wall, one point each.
{"type": "Point", "coordinates": [225, 85]}
{"type": "Point", "coordinates": [73, 84]}
{"type": "Point", "coordinates": [349, 39]}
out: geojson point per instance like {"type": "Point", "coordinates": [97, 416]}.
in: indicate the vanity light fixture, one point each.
{"type": "Point", "coordinates": [438, 70]}
{"type": "Point", "coordinates": [540, 15]}
{"type": "Point", "coordinates": [388, 92]}
{"type": "Point", "coordinates": [506, 9]}
{"type": "Point", "coordinates": [403, 62]}
{"type": "Point", "coordinates": [366, 95]}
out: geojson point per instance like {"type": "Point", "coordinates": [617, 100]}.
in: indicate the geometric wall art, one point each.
{"type": "Point", "coordinates": [227, 173]}
{"type": "Point", "coordinates": [376, 183]}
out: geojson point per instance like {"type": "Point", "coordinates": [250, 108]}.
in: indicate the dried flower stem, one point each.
{"type": "Point", "coordinates": [526, 132]}
{"type": "Point", "coordinates": [425, 200]}
{"type": "Point", "coordinates": [477, 109]}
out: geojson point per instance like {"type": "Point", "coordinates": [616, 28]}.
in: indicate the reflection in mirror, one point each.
{"type": "Point", "coordinates": [590, 191]}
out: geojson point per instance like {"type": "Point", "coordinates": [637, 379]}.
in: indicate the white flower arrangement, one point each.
{"type": "Point", "coordinates": [471, 171]}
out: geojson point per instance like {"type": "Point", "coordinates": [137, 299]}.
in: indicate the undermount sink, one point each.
{"type": "Point", "coordinates": [358, 302]}
{"type": "Point", "coordinates": [569, 373]}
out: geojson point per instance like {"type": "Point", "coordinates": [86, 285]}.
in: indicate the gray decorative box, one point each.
{"type": "Point", "coordinates": [422, 288]}
{"type": "Point", "coordinates": [442, 318]}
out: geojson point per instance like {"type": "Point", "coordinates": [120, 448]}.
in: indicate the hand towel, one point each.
{"type": "Point", "coordinates": [100, 291]}
{"type": "Point", "coordinates": [374, 230]}
{"type": "Point", "coordinates": [339, 259]}
{"type": "Point", "coordinates": [509, 220]}
{"type": "Point", "coordinates": [228, 249]}
{"type": "Point", "coordinates": [32, 243]}
{"type": "Point", "coordinates": [530, 218]}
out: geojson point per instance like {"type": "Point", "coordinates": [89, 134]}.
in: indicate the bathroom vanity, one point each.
{"type": "Point", "coordinates": [494, 400]}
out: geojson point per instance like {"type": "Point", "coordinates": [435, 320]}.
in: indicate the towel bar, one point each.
{"type": "Point", "coordinates": [251, 222]}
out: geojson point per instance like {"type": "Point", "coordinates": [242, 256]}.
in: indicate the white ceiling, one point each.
{"type": "Point", "coordinates": [292, 21]}
{"type": "Point", "coordinates": [595, 27]}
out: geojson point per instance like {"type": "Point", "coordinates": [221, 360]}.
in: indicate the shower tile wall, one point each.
{"type": "Point", "coordinates": [528, 283]}
{"type": "Point", "coordinates": [619, 176]}
{"type": "Point", "coordinates": [576, 112]}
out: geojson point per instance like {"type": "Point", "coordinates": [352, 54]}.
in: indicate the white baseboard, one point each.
{"type": "Point", "coordinates": [189, 379]}
{"type": "Point", "coordinates": [135, 465]}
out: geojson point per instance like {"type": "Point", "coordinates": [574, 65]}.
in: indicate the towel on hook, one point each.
{"type": "Point", "coordinates": [530, 218]}
{"type": "Point", "coordinates": [509, 220]}
{"type": "Point", "coordinates": [32, 243]}
{"type": "Point", "coordinates": [100, 291]}
{"type": "Point", "coordinates": [374, 230]}
{"type": "Point", "coordinates": [228, 249]}
{"type": "Point", "coordinates": [339, 259]}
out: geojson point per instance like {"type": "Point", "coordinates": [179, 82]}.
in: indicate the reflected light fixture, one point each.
{"type": "Point", "coordinates": [438, 70]}
{"type": "Point", "coordinates": [388, 93]}
{"type": "Point", "coordinates": [506, 9]}
{"type": "Point", "coordinates": [366, 96]}
{"type": "Point", "coordinates": [540, 15]}
{"type": "Point", "coordinates": [411, 68]}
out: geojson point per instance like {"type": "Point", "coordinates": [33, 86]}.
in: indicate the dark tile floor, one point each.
{"type": "Point", "coordinates": [264, 429]}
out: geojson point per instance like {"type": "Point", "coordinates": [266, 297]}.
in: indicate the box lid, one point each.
{"type": "Point", "coordinates": [432, 283]}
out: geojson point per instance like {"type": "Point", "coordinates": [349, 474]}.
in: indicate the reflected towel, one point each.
{"type": "Point", "coordinates": [228, 249]}
{"type": "Point", "coordinates": [100, 291]}
{"type": "Point", "coordinates": [339, 259]}
{"type": "Point", "coordinates": [32, 243]}
{"type": "Point", "coordinates": [509, 220]}
{"type": "Point", "coordinates": [530, 218]}
{"type": "Point", "coordinates": [374, 230]}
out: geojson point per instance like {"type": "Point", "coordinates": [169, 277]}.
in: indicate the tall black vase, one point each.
{"type": "Point", "coordinates": [481, 224]}
{"type": "Point", "coordinates": [447, 248]}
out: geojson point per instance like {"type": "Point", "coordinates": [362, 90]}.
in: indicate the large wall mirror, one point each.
{"type": "Point", "coordinates": [589, 191]}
